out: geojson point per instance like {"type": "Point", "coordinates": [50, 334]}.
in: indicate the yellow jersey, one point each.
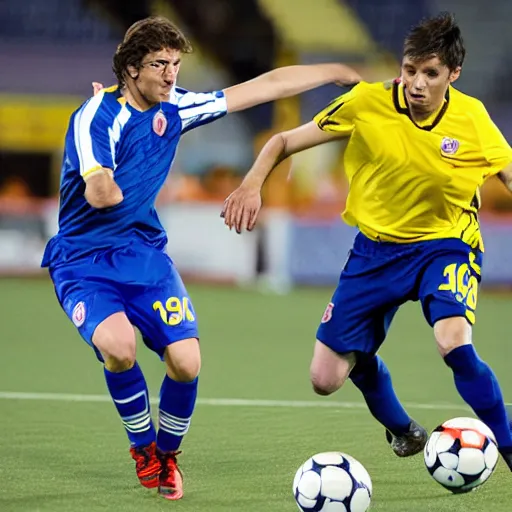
{"type": "Point", "coordinates": [412, 181]}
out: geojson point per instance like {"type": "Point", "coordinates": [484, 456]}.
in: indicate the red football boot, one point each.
{"type": "Point", "coordinates": [147, 464]}
{"type": "Point", "coordinates": [171, 480]}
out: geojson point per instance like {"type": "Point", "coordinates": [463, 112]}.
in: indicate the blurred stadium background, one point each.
{"type": "Point", "coordinates": [50, 52]}
{"type": "Point", "coordinates": [63, 447]}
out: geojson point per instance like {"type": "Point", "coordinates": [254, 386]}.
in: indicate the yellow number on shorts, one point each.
{"type": "Point", "coordinates": [463, 285]}
{"type": "Point", "coordinates": [451, 273]}
{"type": "Point", "coordinates": [175, 310]}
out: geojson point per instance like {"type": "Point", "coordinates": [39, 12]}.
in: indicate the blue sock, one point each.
{"type": "Point", "coordinates": [177, 401]}
{"type": "Point", "coordinates": [129, 391]}
{"type": "Point", "coordinates": [373, 379]}
{"type": "Point", "coordinates": [478, 386]}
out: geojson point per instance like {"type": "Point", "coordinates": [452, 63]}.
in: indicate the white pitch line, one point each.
{"type": "Point", "coordinates": [224, 402]}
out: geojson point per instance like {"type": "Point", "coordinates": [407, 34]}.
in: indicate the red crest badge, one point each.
{"type": "Point", "coordinates": [159, 123]}
{"type": "Point", "coordinates": [78, 315]}
{"type": "Point", "coordinates": [327, 313]}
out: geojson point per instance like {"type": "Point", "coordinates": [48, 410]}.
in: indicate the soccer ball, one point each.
{"type": "Point", "coordinates": [461, 454]}
{"type": "Point", "coordinates": [332, 482]}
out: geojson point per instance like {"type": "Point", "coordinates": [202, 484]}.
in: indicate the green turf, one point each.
{"type": "Point", "coordinates": [66, 457]}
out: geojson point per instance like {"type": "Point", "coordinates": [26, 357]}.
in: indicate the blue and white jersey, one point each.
{"type": "Point", "coordinates": [139, 147]}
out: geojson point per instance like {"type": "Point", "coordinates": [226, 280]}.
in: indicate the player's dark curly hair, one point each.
{"type": "Point", "coordinates": [439, 36]}
{"type": "Point", "coordinates": [146, 36]}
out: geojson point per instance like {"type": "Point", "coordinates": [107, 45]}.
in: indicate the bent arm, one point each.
{"type": "Point", "coordinates": [241, 208]}
{"type": "Point", "coordinates": [287, 81]}
{"type": "Point", "coordinates": [101, 191]}
{"type": "Point", "coordinates": [285, 144]}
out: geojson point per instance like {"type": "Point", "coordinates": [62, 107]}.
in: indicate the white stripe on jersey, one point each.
{"type": "Point", "coordinates": [115, 131]}
{"type": "Point", "coordinates": [83, 139]}
{"type": "Point", "coordinates": [83, 136]}
{"type": "Point", "coordinates": [196, 109]}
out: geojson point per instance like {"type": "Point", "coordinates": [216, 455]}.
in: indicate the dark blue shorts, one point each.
{"type": "Point", "coordinates": [379, 277]}
{"type": "Point", "coordinates": [140, 281]}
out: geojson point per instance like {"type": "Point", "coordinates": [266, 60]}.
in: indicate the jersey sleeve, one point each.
{"type": "Point", "coordinates": [496, 149]}
{"type": "Point", "coordinates": [92, 137]}
{"type": "Point", "coordinates": [339, 115]}
{"type": "Point", "coordinates": [196, 109]}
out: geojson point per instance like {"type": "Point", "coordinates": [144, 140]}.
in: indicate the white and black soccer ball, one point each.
{"type": "Point", "coordinates": [461, 454]}
{"type": "Point", "coordinates": [332, 482]}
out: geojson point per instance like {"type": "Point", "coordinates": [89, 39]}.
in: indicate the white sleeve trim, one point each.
{"type": "Point", "coordinates": [83, 138]}
{"type": "Point", "coordinates": [196, 109]}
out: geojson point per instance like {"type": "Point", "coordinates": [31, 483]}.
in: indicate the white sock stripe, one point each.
{"type": "Point", "coordinates": [170, 417]}
{"type": "Point", "coordinates": [173, 426]}
{"type": "Point", "coordinates": [137, 416]}
{"type": "Point", "coordinates": [177, 424]}
{"type": "Point", "coordinates": [174, 432]}
{"type": "Point", "coordinates": [140, 421]}
{"type": "Point", "coordinates": [133, 398]}
{"type": "Point", "coordinates": [138, 426]}
{"type": "Point", "coordinates": [137, 431]}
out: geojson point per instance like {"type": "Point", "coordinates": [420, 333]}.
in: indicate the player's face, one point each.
{"type": "Point", "coordinates": [157, 75]}
{"type": "Point", "coordinates": [426, 83]}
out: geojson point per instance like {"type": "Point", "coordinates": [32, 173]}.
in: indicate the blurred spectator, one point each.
{"type": "Point", "coordinates": [14, 187]}
{"type": "Point", "coordinates": [219, 182]}
{"type": "Point", "coordinates": [182, 187]}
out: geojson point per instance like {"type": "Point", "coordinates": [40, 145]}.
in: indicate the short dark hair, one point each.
{"type": "Point", "coordinates": [146, 36]}
{"type": "Point", "coordinates": [439, 36]}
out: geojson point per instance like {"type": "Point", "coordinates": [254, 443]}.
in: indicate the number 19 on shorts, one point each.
{"type": "Point", "coordinates": [463, 285]}
{"type": "Point", "coordinates": [175, 310]}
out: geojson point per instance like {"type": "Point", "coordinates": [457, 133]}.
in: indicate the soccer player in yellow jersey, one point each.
{"type": "Point", "coordinates": [417, 154]}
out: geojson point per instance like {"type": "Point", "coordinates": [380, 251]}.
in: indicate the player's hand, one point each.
{"type": "Point", "coordinates": [241, 208]}
{"type": "Point", "coordinates": [96, 87]}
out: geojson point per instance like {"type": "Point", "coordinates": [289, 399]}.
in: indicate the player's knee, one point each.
{"type": "Point", "coordinates": [451, 333]}
{"type": "Point", "coordinates": [115, 339]}
{"type": "Point", "coordinates": [120, 357]}
{"type": "Point", "coordinates": [329, 370]}
{"type": "Point", "coordinates": [183, 360]}
{"type": "Point", "coordinates": [116, 364]}
{"type": "Point", "coordinates": [323, 385]}
{"type": "Point", "coordinates": [185, 371]}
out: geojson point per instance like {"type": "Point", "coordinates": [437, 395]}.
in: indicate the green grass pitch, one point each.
{"type": "Point", "coordinates": [62, 456]}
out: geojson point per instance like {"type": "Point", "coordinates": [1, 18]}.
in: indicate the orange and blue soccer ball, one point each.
{"type": "Point", "coordinates": [461, 454]}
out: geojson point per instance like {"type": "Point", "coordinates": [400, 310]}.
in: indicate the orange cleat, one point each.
{"type": "Point", "coordinates": [147, 464]}
{"type": "Point", "coordinates": [171, 479]}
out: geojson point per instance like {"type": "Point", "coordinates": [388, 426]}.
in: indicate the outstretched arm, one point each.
{"type": "Point", "coordinates": [287, 81]}
{"type": "Point", "coordinates": [241, 208]}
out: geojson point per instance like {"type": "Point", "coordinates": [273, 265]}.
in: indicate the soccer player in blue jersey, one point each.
{"type": "Point", "coordinates": [418, 151]}
{"type": "Point", "coordinates": [108, 261]}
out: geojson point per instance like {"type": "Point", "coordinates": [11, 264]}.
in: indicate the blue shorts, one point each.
{"type": "Point", "coordinates": [379, 277]}
{"type": "Point", "coordinates": [140, 281]}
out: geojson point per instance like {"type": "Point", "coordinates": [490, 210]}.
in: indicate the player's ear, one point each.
{"type": "Point", "coordinates": [132, 72]}
{"type": "Point", "coordinates": [455, 74]}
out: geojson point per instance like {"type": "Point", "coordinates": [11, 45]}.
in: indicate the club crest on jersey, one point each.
{"type": "Point", "coordinates": [449, 146]}
{"type": "Point", "coordinates": [159, 123]}
{"type": "Point", "coordinates": [327, 313]}
{"type": "Point", "coordinates": [78, 315]}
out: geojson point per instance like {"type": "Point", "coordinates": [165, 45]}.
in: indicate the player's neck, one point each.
{"type": "Point", "coordinates": [135, 99]}
{"type": "Point", "coordinates": [420, 116]}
